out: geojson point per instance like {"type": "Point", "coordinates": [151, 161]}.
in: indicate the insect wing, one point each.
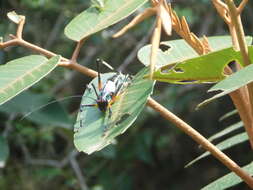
{"type": "Point", "coordinates": [108, 90]}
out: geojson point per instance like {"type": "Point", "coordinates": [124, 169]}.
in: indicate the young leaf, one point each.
{"type": "Point", "coordinates": [93, 19]}
{"type": "Point", "coordinates": [228, 143]}
{"type": "Point", "coordinates": [14, 17]}
{"type": "Point", "coordinates": [228, 180]}
{"type": "Point", "coordinates": [94, 129]}
{"type": "Point", "coordinates": [226, 131]}
{"type": "Point", "coordinates": [4, 151]}
{"type": "Point", "coordinates": [233, 82]}
{"type": "Point", "coordinates": [20, 74]}
{"type": "Point", "coordinates": [202, 69]}
{"type": "Point", "coordinates": [178, 50]}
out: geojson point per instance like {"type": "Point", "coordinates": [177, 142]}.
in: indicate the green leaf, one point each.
{"type": "Point", "coordinates": [228, 180]}
{"type": "Point", "coordinates": [233, 82]}
{"type": "Point", "coordinates": [229, 114]}
{"type": "Point", "coordinates": [228, 143]}
{"type": "Point", "coordinates": [226, 131]}
{"type": "Point", "coordinates": [179, 50]}
{"type": "Point", "coordinates": [203, 69]}
{"type": "Point", "coordinates": [97, 129]}
{"type": "Point", "coordinates": [29, 103]}
{"type": "Point", "coordinates": [93, 19]}
{"type": "Point", "coordinates": [14, 17]}
{"type": "Point", "coordinates": [4, 151]}
{"type": "Point", "coordinates": [20, 74]}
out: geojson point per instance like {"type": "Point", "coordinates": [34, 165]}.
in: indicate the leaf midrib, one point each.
{"type": "Point", "coordinates": [3, 90]}
{"type": "Point", "coordinates": [100, 23]}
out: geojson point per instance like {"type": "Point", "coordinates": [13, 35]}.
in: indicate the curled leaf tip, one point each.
{"type": "Point", "coordinates": [14, 17]}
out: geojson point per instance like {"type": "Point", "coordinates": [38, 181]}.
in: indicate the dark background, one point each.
{"type": "Point", "coordinates": [153, 152]}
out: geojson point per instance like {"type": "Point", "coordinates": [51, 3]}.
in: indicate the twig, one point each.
{"type": "Point", "coordinates": [77, 50]}
{"type": "Point", "coordinates": [155, 41]}
{"type": "Point", "coordinates": [139, 18]}
{"type": "Point", "coordinates": [78, 173]}
{"type": "Point", "coordinates": [8, 125]}
{"type": "Point", "coordinates": [236, 21]}
{"type": "Point", "coordinates": [239, 97]}
{"type": "Point", "coordinates": [240, 36]}
{"type": "Point", "coordinates": [70, 158]}
{"type": "Point", "coordinates": [133, 53]}
{"type": "Point", "coordinates": [241, 6]}
{"type": "Point", "coordinates": [20, 27]}
{"type": "Point", "coordinates": [46, 162]}
{"type": "Point", "coordinates": [201, 140]}
{"type": "Point", "coordinates": [55, 31]}
{"type": "Point", "coordinates": [157, 107]}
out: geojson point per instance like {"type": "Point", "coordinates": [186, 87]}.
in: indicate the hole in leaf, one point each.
{"type": "Point", "coordinates": [168, 68]}
{"type": "Point", "coordinates": [232, 66]}
{"type": "Point", "coordinates": [178, 70]}
{"type": "Point", "coordinates": [188, 81]}
{"type": "Point", "coordinates": [123, 118]}
{"type": "Point", "coordinates": [164, 47]}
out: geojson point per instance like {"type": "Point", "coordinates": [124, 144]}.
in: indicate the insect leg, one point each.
{"type": "Point", "coordinates": [95, 90]}
{"type": "Point", "coordinates": [110, 112]}
{"type": "Point", "coordinates": [88, 105]}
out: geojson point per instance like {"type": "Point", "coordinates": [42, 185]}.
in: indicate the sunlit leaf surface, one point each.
{"type": "Point", "coordinates": [97, 18]}
{"type": "Point", "coordinates": [228, 180]}
{"type": "Point", "coordinates": [178, 50]}
{"type": "Point", "coordinates": [228, 143]}
{"type": "Point", "coordinates": [233, 82]}
{"type": "Point", "coordinates": [94, 129]}
{"type": "Point", "coordinates": [20, 74]}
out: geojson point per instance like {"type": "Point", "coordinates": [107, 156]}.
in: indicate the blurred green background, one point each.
{"type": "Point", "coordinates": [152, 153]}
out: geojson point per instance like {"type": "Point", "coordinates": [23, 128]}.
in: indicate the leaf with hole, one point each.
{"type": "Point", "coordinates": [203, 69]}
{"type": "Point", "coordinates": [176, 51]}
{"type": "Point", "coordinates": [233, 82]}
{"type": "Point", "coordinates": [98, 129]}
{"type": "Point", "coordinates": [4, 153]}
{"type": "Point", "coordinates": [228, 180]}
{"type": "Point", "coordinates": [95, 18]}
{"type": "Point", "coordinates": [19, 74]}
{"type": "Point", "coordinates": [228, 143]}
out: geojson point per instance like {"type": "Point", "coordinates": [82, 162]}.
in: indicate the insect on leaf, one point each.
{"type": "Point", "coordinates": [19, 74]}
{"type": "Point", "coordinates": [100, 15]}
{"type": "Point", "coordinates": [95, 129]}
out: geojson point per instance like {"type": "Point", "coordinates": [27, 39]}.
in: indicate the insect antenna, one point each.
{"type": "Point", "coordinates": [98, 61]}
{"type": "Point", "coordinates": [107, 65]}
{"type": "Point", "coordinates": [94, 88]}
{"type": "Point", "coordinates": [52, 102]}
